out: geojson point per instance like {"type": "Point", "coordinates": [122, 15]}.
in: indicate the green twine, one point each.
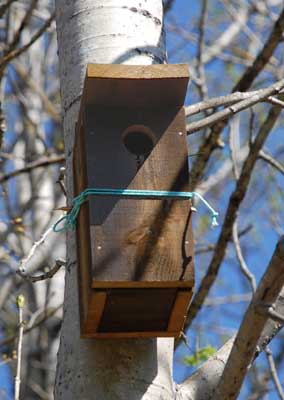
{"type": "Point", "coordinates": [69, 220]}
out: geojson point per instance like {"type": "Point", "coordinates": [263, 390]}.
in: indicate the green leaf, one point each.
{"type": "Point", "coordinates": [199, 356]}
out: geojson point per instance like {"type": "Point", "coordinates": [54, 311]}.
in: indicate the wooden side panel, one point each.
{"type": "Point", "coordinates": [96, 306]}
{"type": "Point", "coordinates": [83, 225]}
{"type": "Point", "coordinates": [179, 311]}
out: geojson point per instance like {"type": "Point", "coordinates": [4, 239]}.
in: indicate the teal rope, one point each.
{"type": "Point", "coordinates": [69, 220]}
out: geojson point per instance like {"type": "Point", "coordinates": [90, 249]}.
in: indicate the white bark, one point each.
{"type": "Point", "coordinates": [105, 31]}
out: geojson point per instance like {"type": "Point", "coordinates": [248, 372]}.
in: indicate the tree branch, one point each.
{"type": "Point", "coordinates": [47, 275]}
{"type": "Point", "coordinates": [42, 162]}
{"type": "Point", "coordinates": [17, 52]}
{"type": "Point", "coordinates": [48, 314]}
{"type": "Point", "coordinates": [235, 108]}
{"type": "Point", "coordinates": [211, 142]}
{"type": "Point", "coordinates": [236, 199]}
{"type": "Point", "coordinates": [244, 346]}
{"type": "Point", "coordinates": [244, 268]}
{"type": "Point", "coordinates": [273, 373]}
{"type": "Point", "coordinates": [270, 160]}
{"type": "Point", "coordinates": [205, 380]}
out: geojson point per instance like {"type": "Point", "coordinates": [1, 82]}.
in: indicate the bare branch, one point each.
{"type": "Point", "coordinates": [42, 162]}
{"type": "Point", "coordinates": [270, 160]}
{"type": "Point", "coordinates": [236, 199]}
{"type": "Point", "coordinates": [244, 347]}
{"type": "Point", "coordinates": [275, 316]}
{"type": "Point", "coordinates": [211, 142]}
{"type": "Point", "coordinates": [17, 52]}
{"type": "Point", "coordinates": [204, 381]}
{"type": "Point", "coordinates": [20, 305]}
{"type": "Point", "coordinates": [244, 268]}
{"type": "Point", "coordinates": [273, 373]}
{"type": "Point", "coordinates": [5, 7]}
{"type": "Point", "coordinates": [22, 26]}
{"type": "Point", "coordinates": [46, 315]}
{"type": "Point", "coordinates": [168, 5]}
{"type": "Point", "coordinates": [47, 275]}
{"type": "Point", "coordinates": [274, 100]}
{"type": "Point", "coordinates": [233, 109]}
{"type": "Point", "coordinates": [47, 104]}
{"type": "Point", "coordinates": [218, 101]}
{"type": "Point", "coordinates": [202, 87]}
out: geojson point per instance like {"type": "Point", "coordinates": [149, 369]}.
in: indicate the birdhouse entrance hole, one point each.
{"type": "Point", "coordinates": [139, 141]}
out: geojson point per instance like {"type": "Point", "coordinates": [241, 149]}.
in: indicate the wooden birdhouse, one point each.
{"type": "Point", "coordinates": [135, 256]}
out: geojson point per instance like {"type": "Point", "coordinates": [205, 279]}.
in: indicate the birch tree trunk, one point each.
{"type": "Point", "coordinates": [105, 31]}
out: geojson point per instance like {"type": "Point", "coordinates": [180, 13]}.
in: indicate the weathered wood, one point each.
{"type": "Point", "coordinates": [130, 335]}
{"type": "Point", "coordinates": [156, 240]}
{"type": "Point", "coordinates": [179, 311]}
{"type": "Point", "coordinates": [142, 284]}
{"type": "Point", "coordinates": [136, 85]}
{"type": "Point", "coordinates": [83, 225]}
{"type": "Point", "coordinates": [135, 255]}
{"type": "Point", "coordinates": [90, 324]}
{"type": "Point", "coordinates": [133, 312]}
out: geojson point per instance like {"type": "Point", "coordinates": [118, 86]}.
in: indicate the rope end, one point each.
{"type": "Point", "coordinates": [214, 221]}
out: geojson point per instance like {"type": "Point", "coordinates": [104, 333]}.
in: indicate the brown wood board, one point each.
{"type": "Point", "coordinates": [179, 310]}
{"type": "Point", "coordinates": [142, 284]}
{"type": "Point", "coordinates": [129, 335]}
{"type": "Point", "coordinates": [140, 310]}
{"type": "Point", "coordinates": [133, 239]}
{"type": "Point", "coordinates": [136, 85]}
{"type": "Point", "coordinates": [82, 226]}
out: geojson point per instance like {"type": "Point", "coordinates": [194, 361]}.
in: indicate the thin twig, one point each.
{"type": "Point", "coordinates": [273, 373]}
{"type": "Point", "coordinates": [5, 7]}
{"type": "Point", "coordinates": [48, 314]}
{"type": "Point", "coordinates": [233, 109]}
{"type": "Point", "coordinates": [274, 100]}
{"type": "Point", "coordinates": [270, 160]}
{"type": "Point", "coordinates": [22, 26]}
{"type": "Point", "coordinates": [24, 261]}
{"type": "Point", "coordinates": [275, 316]}
{"type": "Point", "coordinates": [47, 275]}
{"type": "Point", "coordinates": [244, 268]}
{"type": "Point", "coordinates": [219, 101]}
{"type": "Point", "coordinates": [20, 305]}
{"type": "Point", "coordinates": [17, 52]}
{"type": "Point", "coordinates": [42, 162]}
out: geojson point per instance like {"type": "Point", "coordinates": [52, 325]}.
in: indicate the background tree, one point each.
{"type": "Point", "coordinates": [236, 157]}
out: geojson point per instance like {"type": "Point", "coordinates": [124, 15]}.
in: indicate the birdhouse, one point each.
{"type": "Point", "coordinates": [135, 255]}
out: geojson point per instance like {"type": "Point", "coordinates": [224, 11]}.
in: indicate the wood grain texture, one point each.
{"type": "Point", "coordinates": [97, 300]}
{"type": "Point", "coordinates": [179, 310]}
{"type": "Point", "coordinates": [140, 240]}
{"type": "Point", "coordinates": [142, 284]}
{"type": "Point", "coordinates": [136, 85]}
{"type": "Point", "coordinates": [129, 335]}
{"type": "Point", "coordinates": [135, 256]}
{"type": "Point", "coordinates": [83, 225]}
